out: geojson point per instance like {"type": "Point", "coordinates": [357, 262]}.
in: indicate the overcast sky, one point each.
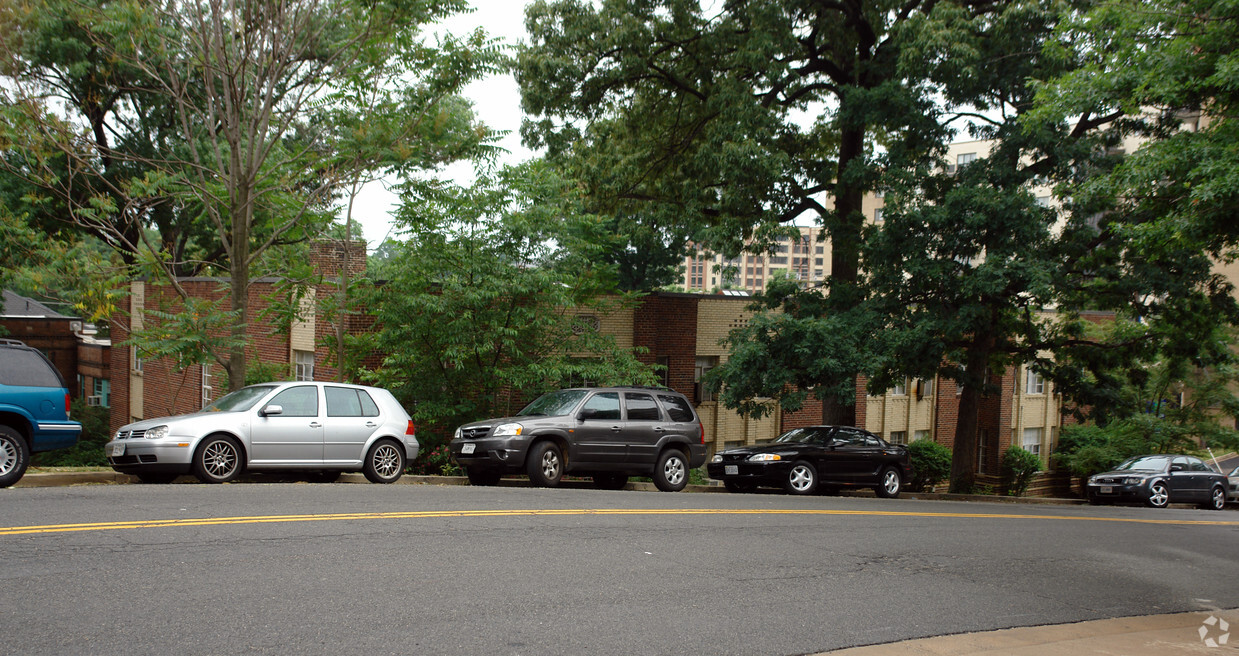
{"type": "Point", "coordinates": [496, 101]}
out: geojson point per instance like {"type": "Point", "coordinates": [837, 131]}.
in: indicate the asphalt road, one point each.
{"type": "Point", "coordinates": [401, 569]}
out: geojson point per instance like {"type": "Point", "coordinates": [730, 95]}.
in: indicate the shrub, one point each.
{"type": "Point", "coordinates": [931, 463]}
{"type": "Point", "coordinates": [88, 452]}
{"type": "Point", "coordinates": [1018, 468]}
{"type": "Point", "coordinates": [434, 460]}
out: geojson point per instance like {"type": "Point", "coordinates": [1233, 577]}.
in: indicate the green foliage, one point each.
{"type": "Point", "coordinates": [186, 335]}
{"type": "Point", "coordinates": [267, 372]}
{"type": "Point", "coordinates": [1018, 468]}
{"type": "Point", "coordinates": [435, 460]}
{"type": "Point", "coordinates": [931, 464]}
{"type": "Point", "coordinates": [88, 452]}
{"type": "Point", "coordinates": [488, 304]}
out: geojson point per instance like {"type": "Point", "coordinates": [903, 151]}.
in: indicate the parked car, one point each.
{"type": "Point", "coordinates": [606, 433]}
{"type": "Point", "coordinates": [802, 460]}
{"type": "Point", "coordinates": [1233, 480]}
{"type": "Point", "coordinates": [327, 428]}
{"type": "Point", "coordinates": [34, 409]}
{"type": "Point", "coordinates": [1159, 480]}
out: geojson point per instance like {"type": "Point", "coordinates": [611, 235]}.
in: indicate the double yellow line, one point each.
{"type": "Point", "coordinates": [436, 514]}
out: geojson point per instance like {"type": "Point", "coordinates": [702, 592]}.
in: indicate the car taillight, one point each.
{"type": "Point", "coordinates": [703, 431]}
{"type": "Point", "coordinates": [410, 430]}
{"type": "Point", "coordinates": [67, 408]}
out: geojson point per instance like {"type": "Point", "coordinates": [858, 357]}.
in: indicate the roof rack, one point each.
{"type": "Point", "coordinates": [11, 342]}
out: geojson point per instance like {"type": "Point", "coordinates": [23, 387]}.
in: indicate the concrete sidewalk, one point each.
{"type": "Point", "coordinates": [1201, 632]}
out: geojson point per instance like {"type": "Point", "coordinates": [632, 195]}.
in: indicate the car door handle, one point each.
{"type": "Point", "coordinates": [370, 424]}
{"type": "Point", "coordinates": [659, 429]}
{"type": "Point", "coordinates": [615, 429]}
{"type": "Point", "coordinates": [315, 424]}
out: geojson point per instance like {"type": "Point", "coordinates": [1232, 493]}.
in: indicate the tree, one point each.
{"type": "Point", "coordinates": [492, 300]}
{"type": "Point", "coordinates": [257, 97]}
{"type": "Point", "coordinates": [676, 116]}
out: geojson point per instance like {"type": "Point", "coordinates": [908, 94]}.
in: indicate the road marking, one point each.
{"type": "Point", "coordinates": [435, 514]}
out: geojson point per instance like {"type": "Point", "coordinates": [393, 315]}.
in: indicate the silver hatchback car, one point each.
{"type": "Point", "coordinates": [326, 428]}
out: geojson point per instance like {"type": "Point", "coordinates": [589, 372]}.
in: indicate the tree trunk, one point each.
{"type": "Point", "coordinates": [964, 453]}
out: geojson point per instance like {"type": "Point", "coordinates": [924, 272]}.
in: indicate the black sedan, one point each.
{"type": "Point", "coordinates": [1159, 480]}
{"type": "Point", "coordinates": [804, 459]}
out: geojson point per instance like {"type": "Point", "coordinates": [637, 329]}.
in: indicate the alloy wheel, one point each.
{"type": "Point", "coordinates": [8, 457]}
{"type": "Point", "coordinates": [800, 478]}
{"type": "Point", "coordinates": [891, 482]}
{"type": "Point", "coordinates": [386, 461]}
{"type": "Point", "coordinates": [673, 471]}
{"type": "Point", "coordinates": [219, 459]}
{"type": "Point", "coordinates": [550, 465]}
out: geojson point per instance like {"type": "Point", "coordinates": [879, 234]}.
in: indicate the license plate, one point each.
{"type": "Point", "coordinates": [731, 470]}
{"type": "Point", "coordinates": [468, 448]}
{"type": "Point", "coordinates": [118, 450]}
{"type": "Point", "coordinates": [1106, 489]}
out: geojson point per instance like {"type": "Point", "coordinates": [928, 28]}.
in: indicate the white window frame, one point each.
{"type": "Point", "coordinates": [304, 368]}
{"type": "Point", "coordinates": [1031, 440]}
{"type": "Point", "coordinates": [206, 385]}
{"type": "Point", "coordinates": [898, 437]}
{"type": "Point", "coordinates": [1034, 383]}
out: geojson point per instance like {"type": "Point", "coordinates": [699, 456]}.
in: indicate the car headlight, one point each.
{"type": "Point", "coordinates": [458, 434]}
{"type": "Point", "coordinates": [765, 457]}
{"type": "Point", "coordinates": [508, 430]}
{"type": "Point", "coordinates": [1133, 480]}
{"type": "Point", "coordinates": [718, 457]}
{"type": "Point", "coordinates": [157, 433]}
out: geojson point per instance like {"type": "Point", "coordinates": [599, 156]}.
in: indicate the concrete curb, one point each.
{"type": "Point", "coordinates": [64, 479]}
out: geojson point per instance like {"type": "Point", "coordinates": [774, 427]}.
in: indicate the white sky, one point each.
{"type": "Point", "coordinates": [496, 103]}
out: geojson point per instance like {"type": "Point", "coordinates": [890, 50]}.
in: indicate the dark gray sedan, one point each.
{"type": "Point", "coordinates": [1158, 481]}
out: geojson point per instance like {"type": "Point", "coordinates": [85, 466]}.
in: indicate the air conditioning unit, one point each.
{"type": "Point", "coordinates": [96, 399]}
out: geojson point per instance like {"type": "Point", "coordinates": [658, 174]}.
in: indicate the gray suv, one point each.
{"type": "Point", "coordinates": [606, 433]}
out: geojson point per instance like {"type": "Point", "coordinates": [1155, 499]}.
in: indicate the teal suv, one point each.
{"type": "Point", "coordinates": [34, 409]}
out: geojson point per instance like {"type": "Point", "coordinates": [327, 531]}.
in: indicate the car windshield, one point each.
{"type": "Point", "coordinates": [240, 400]}
{"type": "Point", "coordinates": [1145, 463]}
{"type": "Point", "coordinates": [554, 404]}
{"type": "Point", "coordinates": [797, 436]}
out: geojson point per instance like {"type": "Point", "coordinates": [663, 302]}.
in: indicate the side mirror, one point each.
{"type": "Point", "coordinates": [1175, 468]}
{"type": "Point", "coordinates": [271, 410]}
{"type": "Point", "coordinates": [587, 414]}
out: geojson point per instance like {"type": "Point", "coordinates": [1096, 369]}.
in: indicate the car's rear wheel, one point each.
{"type": "Point", "coordinates": [737, 486]}
{"type": "Point", "coordinates": [1159, 495]}
{"type": "Point", "coordinates": [152, 478]}
{"type": "Point", "coordinates": [890, 484]}
{"type": "Point", "coordinates": [1217, 499]}
{"type": "Point", "coordinates": [610, 481]}
{"type": "Point", "coordinates": [545, 465]}
{"type": "Point", "coordinates": [801, 479]}
{"type": "Point", "coordinates": [14, 456]}
{"type": "Point", "coordinates": [671, 471]}
{"type": "Point", "coordinates": [384, 463]}
{"type": "Point", "coordinates": [218, 460]}
{"type": "Point", "coordinates": [484, 477]}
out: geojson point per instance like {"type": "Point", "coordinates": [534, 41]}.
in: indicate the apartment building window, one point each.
{"type": "Point", "coordinates": [898, 437]}
{"type": "Point", "coordinates": [820, 250]}
{"type": "Point", "coordinates": [664, 370]}
{"type": "Point", "coordinates": [1032, 440]}
{"type": "Point", "coordinates": [703, 366]}
{"type": "Point", "coordinates": [982, 449]}
{"type": "Point", "coordinates": [1034, 383]}
{"type": "Point", "coordinates": [103, 392]}
{"type": "Point", "coordinates": [206, 385]}
{"type": "Point", "coordinates": [964, 159]}
{"type": "Point", "coordinates": [877, 215]}
{"type": "Point", "coordinates": [919, 435]}
{"type": "Point", "coordinates": [305, 364]}
{"type": "Point", "coordinates": [900, 388]}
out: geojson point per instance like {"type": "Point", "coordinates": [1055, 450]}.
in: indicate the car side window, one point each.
{"type": "Point", "coordinates": [872, 441]}
{"type": "Point", "coordinates": [677, 407]}
{"type": "Point", "coordinates": [641, 407]}
{"type": "Point", "coordinates": [25, 368]}
{"type": "Point", "coordinates": [605, 405]}
{"type": "Point", "coordinates": [820, 437]}
{"type": "Point", "coordinates": [1197, 465]}
{"type": "Point", "coordinates": [297, 401]}
{"type": "Point", "coordinates": [348, 402]}
{"type": "Point", "coordinates": [1181, 462]}
{"type": "Point", "coordinates": [847, 437]}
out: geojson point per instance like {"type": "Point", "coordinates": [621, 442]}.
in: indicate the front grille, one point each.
{"type": "Point", "coordinates": [735, 457]}
{"type": "Point", "coordinates": [131, 435]}
{"type": "Point", "coordinates": [124, 460]}
{"type": "Point", "coordinates": [475, 432]}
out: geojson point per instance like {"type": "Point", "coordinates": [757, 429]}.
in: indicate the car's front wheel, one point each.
{"type": "Point", "coordinates": [218, 460]}
{"type": "Point", "coordinates": [1159, 495]}
{"type": "Point", "coordinates": [801, 479]}
{"type": "Point", "coordinates": [483, 477]}
{"type": "Point", "coordinates": [1217, 499]}
{"type": "Point", "coordinates": [14, 456]}
{"type": "Point", "coordinates": [545, 465]}
{"type": "Point", "coordinates": [671, 471]}
{"type": "Point", "coordinates": [890, 485]}
{"type": "Point", "coordinates": [384, 463]}
{"type": "Point", "coordinates": [610, 481]}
